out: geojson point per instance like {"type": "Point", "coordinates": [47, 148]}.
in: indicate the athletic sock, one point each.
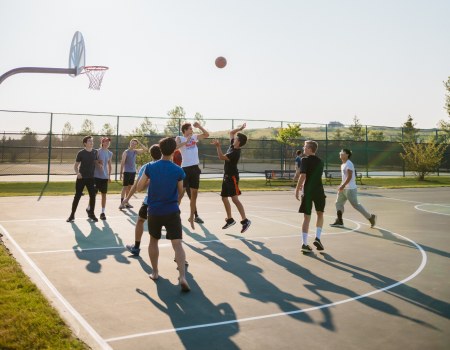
{"type": "Point", "coordinates": [88, 207]}
{"type": "Point", "coordinates": [305, 238]}
{"type": "Point", "coordinates": [195, 214]}
{"type": "Point", "coordinates": [318, 232]}
{"type": "Point", "coordinates": [103, 210]}
{"type": "Point", "coordinates": [121, 200]}
{"type": "Point", "coordinates": [339, 215]}
{"type": "Point", "coordinates": [137, 244]}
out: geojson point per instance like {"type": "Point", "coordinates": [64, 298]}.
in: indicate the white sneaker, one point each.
{"type": "Point", "coordinates": [128, 205]}
{"type": "Point", "coordinates": [121, 206]}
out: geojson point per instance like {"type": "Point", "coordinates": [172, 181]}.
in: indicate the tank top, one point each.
{"type": "Point", "coordinates": [130, 161]}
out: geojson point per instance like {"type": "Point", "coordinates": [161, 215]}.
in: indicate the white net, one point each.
{"type": "Point", "coordinates": [95, 74]}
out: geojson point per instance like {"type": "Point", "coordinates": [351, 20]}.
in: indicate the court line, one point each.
{"type": "Point", "coordinates": [421, 267]}
{"type": "Point", "coordinates": [418, 205]}
{"type": "Point", "coordinates": [69, 307]}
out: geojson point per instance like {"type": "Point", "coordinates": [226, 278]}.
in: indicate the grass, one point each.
{"type": "Point", "coordinates": [11, 189]}
{"type": "Point", "coordinates": [27, 320]}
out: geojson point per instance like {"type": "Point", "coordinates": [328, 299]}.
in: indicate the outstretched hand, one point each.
{"type": "Point", "coordinates": [215, 142]}
{"type": "Point", "coordinates": [243, 126]}
{"type": "Point", "coordinates": [196, 125]}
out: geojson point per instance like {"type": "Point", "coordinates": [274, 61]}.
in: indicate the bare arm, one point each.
{"type": "Point", "coordinates": [233, 132]}
{"type": "Point", "coordinates": [219, 151]}
{"type": "Point", "coordinates": [75, 168]}
{"type": "Point", "coordinates": [124, 157]}
{"type": "Point", "coordinates": [144, 149]}
{"type": "Point", "coordinates": [141, 184]}
{"type": "Point", "coordinates": [299, 187]}
{"type": "Point", "coordinates": [180, 190]}
{"type": "Point", "coordinates": [181, 144]}
{"type": "Point", "coordinates": [204, 133]}
{"type": "Point", "coordinates": [349, 178]}
{"type": "Point", "coordinates": [109, 170]}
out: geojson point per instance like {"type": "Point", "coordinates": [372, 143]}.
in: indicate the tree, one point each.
{"type": "Point", "coordinates": [87, 128]}
{"type": "Point", "coordinates": [338, 135]}
{"type": "Point", "coordinates": [356, 131]}
{"type": "Point", "coordinates": [422, 158]}
{"type": "Point", "coordinates": [177, 118]}
{"type": "Point", "coordinates": [374, 135]}
{"type": "Point", "coordinates": [409, 132]}
{"type": "Point", "coordinates": [274, 132]}
{"type": "Point", "coordinates": [289, 137]}
{"type": "Point", "coordinates": [199, 118]}
{"type": "Point", "coordinates": [447, 96]}
{"type": "Point", "coordinates": [68, 129]}
{"type": "Point", "coordinates": [108, 130]}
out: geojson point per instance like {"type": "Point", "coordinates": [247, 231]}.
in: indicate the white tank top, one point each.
{"type": "Point", "coordinates": [189, 152]}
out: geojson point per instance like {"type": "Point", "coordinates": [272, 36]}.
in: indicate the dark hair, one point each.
{"type": "Point", "coordinates": [185, 126]}
{"type": "Point", "coordinates": [312, 144]}
{"type": "Point", "coordinates": [242, 139]}
{"type": "Point", "coordinates": [155, 152]}
{"type": "Point", "coordinates": [346, 150]}
{"type": "Point", "coordinates": [86, 138]}
{"type": "Point", "coordinates": [299, 152]}
{"type": "Point", "coordinates": [167, 146]}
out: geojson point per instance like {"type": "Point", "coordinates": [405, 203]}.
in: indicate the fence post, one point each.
{"type": "Point", "coordinates": [3, 148]}
{"type": "Point", "coordinates": [179, 126]}
{"type": "Point", "coordinates": [117, 146]}
{"type": "Point", "coordinates": [403, 161]}
{"type": "Point", "coordinates": [282, 149]}
{"type": "Point", "coordinates": [367, 154]}
{"type": "Point", "coordinates": [232, 124]}
{"type": "Point", "coordinates": [50, 147]}
{"type": "Point", "coordinates": [326, 146]}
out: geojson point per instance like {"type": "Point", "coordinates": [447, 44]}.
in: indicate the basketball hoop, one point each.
{"type": "Point", "coordinates": [95, 74]}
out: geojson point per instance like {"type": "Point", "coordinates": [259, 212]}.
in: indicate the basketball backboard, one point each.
{"type": "Point", "coordinates": [77, 56]}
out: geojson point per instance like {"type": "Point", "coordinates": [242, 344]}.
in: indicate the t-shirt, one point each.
{"type": "Point", "coordinates": [348, 165]}
{"type": "Point", "coordinates": [87, 160]}
{"type": "Point", "coordinates": [189, 152]}
{"type": "Point", "coordinates": [130, 161]}
{"type": "Point", "coordinates": [177, 158]}
{"type": "Point", "coordinates": [312, 166]}
{"type": "Point", "coordinates": [163, 190]}
{"type": "Point", "coordinates": [230, 167]}
{"type": "Point", "coordinates": [106, 156]}
{"type": "Point", "coordinates": [140, 175]}
{"type": "Point", "coordinates": [298, 160]}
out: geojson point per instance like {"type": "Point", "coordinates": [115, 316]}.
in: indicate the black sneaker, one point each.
{"type": "Point", "coordinates": [93, 217]}
{"type": "Point", "coordinates": [185, 262]}
{"type": "Point", "coordinates": [103, 216]}
{"type": "Point", "coordinates": [230, 222]}
{"type": "Point", "coordinates": [318, 244]}
{"type": "Point", "coordinates": [71, 218]}
{"type": "Point", "coordinates": [245, 225]}
{"type": "Point", "coordinates": [373, 221]}
{"type": "Point", "coordinates": [198, 220]}
{"type": "Point", "coordinates": [337, 223]}
{"type": "Point", "coordinates": [306, 249]}
{"type": "Point", "coordinates": [87, 211]}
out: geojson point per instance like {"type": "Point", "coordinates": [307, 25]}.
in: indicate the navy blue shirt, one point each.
{"type": "Point", "coordinates": [163, 189]}
{"type": "Point", "coordinates": [298, 160]}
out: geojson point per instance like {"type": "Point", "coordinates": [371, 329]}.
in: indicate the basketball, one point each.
{"type": "Point", "coordinates": [221, 62]}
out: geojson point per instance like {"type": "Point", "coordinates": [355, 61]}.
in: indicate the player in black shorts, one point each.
{"type": "Point", "coordinates": [310, 182]}
{"type": "Point", "coordinates": [230, 184]}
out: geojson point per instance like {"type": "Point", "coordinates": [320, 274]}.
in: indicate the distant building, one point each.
{"type": "Point", "coordinates": [335, 124]}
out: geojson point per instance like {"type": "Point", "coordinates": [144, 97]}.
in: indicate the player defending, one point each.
{"type": "Point", "coordinates": [310, 182]}
{"type": "Point", "coordinates": [230, 182]}
{"type": "Point", "coordinates": [298, 162]}
{"type": "Point", "coordinates": [348, 190]}
{"type": "Point", "coordinates": [187, 144]}
{"type": "Point", "coordinates": [128, 169]}
{"type": "Point", "coordinates": [166, 180]}
{"type": "Point", "coordinates": [87, 161]}
{"type": "Point", "coordinates": [102, 175]}
{"type": "Point", "coordinates": [134, 249]}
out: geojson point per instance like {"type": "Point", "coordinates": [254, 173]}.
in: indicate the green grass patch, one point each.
{"type": "Point", "coordinates": [27, 320]}
{"type": "Point", "coordinates": [407, 182]}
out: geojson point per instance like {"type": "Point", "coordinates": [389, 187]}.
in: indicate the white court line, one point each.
{"type": "Point", "coordinates": [80, 319]}
{"type": "Point", "coordinates": [418, 205]}
{"type": "Point", "coordinates": [421, 267]}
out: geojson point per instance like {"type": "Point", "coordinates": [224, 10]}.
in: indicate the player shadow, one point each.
{"type": "Point", "coordinates": [99, 237]}
{"type": "Point", "coordinates": [208, 236]}
{"type": "Point", "coordinates": [195, 308]}
{"type": "Point", "coordinates": [318, 285]}
{"type": "Point", "coordinates": [404, 292]}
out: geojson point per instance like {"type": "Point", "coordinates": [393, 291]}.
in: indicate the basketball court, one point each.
{"type": "Point", "coordinates": [371, 287]}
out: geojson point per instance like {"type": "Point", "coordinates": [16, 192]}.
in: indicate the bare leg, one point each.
{"type": "Point", "coordinates": [180, 258]}
{"type": "Point", "coordinates": [139, 230]}
{"type": "Point", "coordinates": [319, 221]}
{"type": "Point", "coordinates": [124, 192]}
{"type": "Point", "coordinates": [227, 205]}
{"type": "Point", "coordinates": [181, 195]}
{"type": "Point", "coordinates": [306, 221]}
{"type": "Point", "coordinates": [194, 193]}
{"type": "Point", "coordinates": [128, 188]}
{"type": "Point", "coordinates": [103, 200]}
{"type": "Point", "coordinates": [153, 252]}
{"type": "Point", "coordinates": [239, 206]}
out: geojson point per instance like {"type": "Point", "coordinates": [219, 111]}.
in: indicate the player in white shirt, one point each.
{"type": "Point", "coordinates": [187, 144]}
{"type": "Point", "coordinates": [348, 190]}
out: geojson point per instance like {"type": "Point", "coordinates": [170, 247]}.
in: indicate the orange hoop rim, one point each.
{"type": "Point", "coordinates": [87, 69]}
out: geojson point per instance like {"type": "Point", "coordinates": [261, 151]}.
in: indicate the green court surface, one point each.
{"type": "Point", "coordinates": [371, 288]}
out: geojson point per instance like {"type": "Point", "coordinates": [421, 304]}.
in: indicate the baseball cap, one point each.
{"type": "Point", "coordinates": [106, 139]}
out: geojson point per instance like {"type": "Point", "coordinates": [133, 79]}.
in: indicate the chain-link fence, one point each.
{"type": "Point", "coordinates": [46, 144]}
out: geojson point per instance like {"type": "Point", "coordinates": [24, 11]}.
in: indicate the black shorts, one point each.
{"type": "Point", "coordinates": [101, 185]}
{"type": "Point", "coordinates": [308, 200]}
{"type": "Point", "coordinates": [128, 179]}
{"type": "Point", "coordinates": [192, 177]}
{"type": "Point", "coordinates": [230, 186]}
{"type": "Point", "coordinates": [143, 212]}
{"type": "Point", "coordinates": [172, 223]}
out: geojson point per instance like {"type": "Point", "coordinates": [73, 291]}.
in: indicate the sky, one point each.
{"type": "Point", "coordinates": [299, 61]}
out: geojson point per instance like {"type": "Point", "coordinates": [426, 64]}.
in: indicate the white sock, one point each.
{"type": "Point", "coordinates": [318, 232]}
{"type": "Point", "coordinates": [103, 210]}
{"type": "Point", "coordinates": [305, 238]}
{"type": "Point", "coordinates": [88, 208]}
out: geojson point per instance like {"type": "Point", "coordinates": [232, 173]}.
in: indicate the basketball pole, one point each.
{"type": "Point", "coordinates": [38, 70]}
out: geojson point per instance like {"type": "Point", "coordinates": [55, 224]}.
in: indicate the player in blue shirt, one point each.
{"type": "Point", "coordinates": [166, 181]}
{"type": "Point", "coordinates": [298, 163]}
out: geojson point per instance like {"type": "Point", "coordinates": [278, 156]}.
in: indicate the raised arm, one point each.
{"type": "Point", "coordinates": [216, 143]}
{"type": "Point", "coordinates": [204, 133]}
{"type": "Point", "coordinates": [181, 144]}
{"type": "Point", "coordinates": [144, 149]}
{"type": "Point", "coordinates": [233, 132]}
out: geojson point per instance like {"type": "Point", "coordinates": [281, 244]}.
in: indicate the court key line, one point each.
{"type": "Point", "coordinates": [421, 267]}
{"type": "Point", "coordinates": [418, 205]}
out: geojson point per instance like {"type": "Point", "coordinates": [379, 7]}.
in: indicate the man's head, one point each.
{"type": "Point", "coordinates": [88, 141]}
{"type": "Point", "coordinates": [133, 143]}
{"type": "Point", "coordinates": [155, 152]}
{"type": "Point", "coordinates": [345, 154]}
{"type": "Point", "coordinates": [299, 153]}
{"type": "Point", "coordinates": [186, 129]}
{"type": "Point", "coordinates": [106, 141]}
{"type": "Point", "coordinates": [310, 147]}
{"type": "Point", "coordinates": [239, 140]}
{"type": "Point", "coordinates": [167, 146]}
